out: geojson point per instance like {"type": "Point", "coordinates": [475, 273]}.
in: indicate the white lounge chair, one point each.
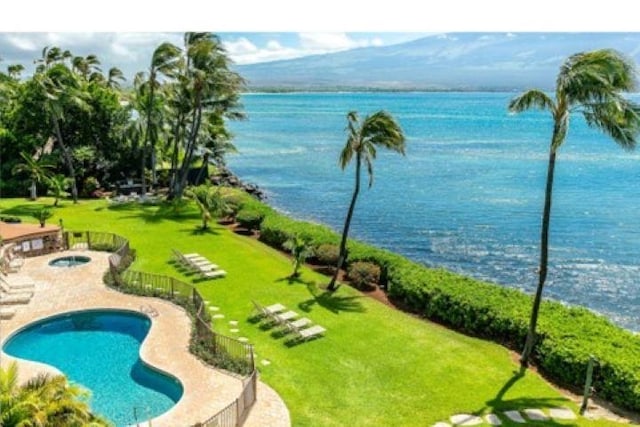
{"type": "Point", "coordinates": [7, 313]}
{"type": "Point", "coordinates": [268, 310]}
{"type": "Point", "coordinates": [10, 299]}
{"type": "Point", "coordinates": [308, 333]}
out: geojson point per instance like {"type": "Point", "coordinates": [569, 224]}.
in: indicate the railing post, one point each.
{"type": "Point", "coordinates": [587, 385]}
{"type": "Point", "coordinates": [88, 240]}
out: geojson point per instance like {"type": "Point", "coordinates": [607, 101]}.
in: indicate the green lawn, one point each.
{"type": "Point", "coordinates": [375, 367]}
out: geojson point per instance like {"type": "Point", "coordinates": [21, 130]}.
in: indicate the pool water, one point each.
{"type": "Point", "coordinates": [100, 351]}
{"type": "Point", "coordinates": [69, 261]}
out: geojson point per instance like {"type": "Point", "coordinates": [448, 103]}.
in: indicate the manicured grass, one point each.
{"type": "Point", "coordinates": [375, 367]}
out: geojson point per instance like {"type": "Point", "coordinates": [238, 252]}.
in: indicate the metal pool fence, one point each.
{"type": "Point", "coordinates": [219, 350]}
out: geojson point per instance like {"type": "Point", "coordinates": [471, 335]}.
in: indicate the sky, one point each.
{"type": "Point", "coordinates": [124, 33]}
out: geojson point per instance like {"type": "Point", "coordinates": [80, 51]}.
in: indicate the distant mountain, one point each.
{"type": "Point", "coordinates": [456, 61]}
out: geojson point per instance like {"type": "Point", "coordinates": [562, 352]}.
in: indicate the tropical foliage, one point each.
{"type": "Point", "coordinates": [43, 401]}
{"type": "Point", "coordinates": [300, 250]}
{"type": "Point", "coordinates": [87, 126]}
{"type": "Point", "coordinates": [592, 83]}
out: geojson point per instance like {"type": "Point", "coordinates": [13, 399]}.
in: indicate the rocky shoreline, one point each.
{"type": "Point", "coordinates": [226, 177]}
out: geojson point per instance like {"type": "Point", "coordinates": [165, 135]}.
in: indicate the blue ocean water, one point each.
{"type": "Point", "coordinates": [100, 351]}
{"type": "Point", "coordinates": [468, 195]}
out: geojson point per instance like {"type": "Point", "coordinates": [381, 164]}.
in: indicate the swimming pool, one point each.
{"type": "Point", "coordinates": [99, 349]}
{"type": "Point", "coordinates": [69, 261]}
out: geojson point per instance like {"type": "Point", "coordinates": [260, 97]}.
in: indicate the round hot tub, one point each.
{"type": "Point", "coordinates": [69, 261]}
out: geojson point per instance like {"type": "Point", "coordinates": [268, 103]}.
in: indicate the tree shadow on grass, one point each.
{"type": "Point", "coordinates": [151, 213]}
{"type": "Point", "coordinates": [498, 404]}
{"type": "Point", "coordinates": [296, 280]}
{"type": "Point", "coordinates": [331, 301]}
{"type": "Point", "coordinates": [199, 231]}
{"type": "Point", "coordinates": [26, 209]}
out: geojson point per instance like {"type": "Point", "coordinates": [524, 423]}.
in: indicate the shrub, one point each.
{"type": "Point", "coordinates": [364, 274]}
{"type": "Point", "coordinates": [327, 254]}
{"type": "Point", "coordinates": [90, 185]}
{"type": "Point", "coordinates": [249, 219]}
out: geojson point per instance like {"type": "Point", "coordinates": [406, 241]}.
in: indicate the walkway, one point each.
{"type": "Point", "coordinates": [206, 390]}
{"type": "Point", "coordinates": [557, 414]}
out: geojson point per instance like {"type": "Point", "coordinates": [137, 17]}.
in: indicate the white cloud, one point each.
{"type": "Point", "coordinates": [273, 45]}
{"type": "Point", "coordinates": [22, 43]}
{"type": "Point", "coordinates": [240, 47]}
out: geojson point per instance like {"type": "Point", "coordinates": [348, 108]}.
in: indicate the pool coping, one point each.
{"type": "Point", "coordinates": [59, 290]}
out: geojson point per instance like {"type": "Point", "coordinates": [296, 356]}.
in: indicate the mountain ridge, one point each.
{"type": "Point", "coordinates": [445, 62]}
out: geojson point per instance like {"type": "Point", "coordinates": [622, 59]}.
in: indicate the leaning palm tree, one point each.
{"type": "Point", "coordinates": [36, 169]}
{"type": "Point", "coordinates": [591, 83]}
{"type": "Point", "coordinates": [209, 202]}
{"type": "Point", "coordinates": [363, 139]}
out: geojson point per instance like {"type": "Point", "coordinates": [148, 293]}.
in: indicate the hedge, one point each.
{"type": "Point", "coordinates": [567, 336]}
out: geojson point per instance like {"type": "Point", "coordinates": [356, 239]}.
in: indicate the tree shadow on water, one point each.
{"type": "Point", "coordinates": [332, 301]}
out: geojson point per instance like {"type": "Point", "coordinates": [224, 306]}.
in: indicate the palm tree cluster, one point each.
{"type": "Point", "coordinates": [43, 401]}
{"type": "Point", "coordinates": [175, 112]}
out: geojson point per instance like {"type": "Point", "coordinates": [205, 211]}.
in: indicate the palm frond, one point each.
{"type": "Point", "coordinates": [533, 98]}
{"type": "Point", "coordinates": [620, 119]}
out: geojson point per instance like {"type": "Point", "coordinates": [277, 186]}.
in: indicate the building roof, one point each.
{"type": "Point", "coordinates": [15, 232]}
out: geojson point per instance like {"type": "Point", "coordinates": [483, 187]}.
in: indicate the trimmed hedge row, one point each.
{"type": "Point", "coordinates": [567, 335]}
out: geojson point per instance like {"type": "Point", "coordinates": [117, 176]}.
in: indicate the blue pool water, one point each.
{"type": "Point", "coordinates": [69, 261]}
{"type": "Point", "coordinates": [468, 195]}
{"type": "Point", "coordinates": [100, 351]}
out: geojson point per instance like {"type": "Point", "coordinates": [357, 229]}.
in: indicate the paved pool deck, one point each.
{"type": "Point", "coordinates": [206, 390]}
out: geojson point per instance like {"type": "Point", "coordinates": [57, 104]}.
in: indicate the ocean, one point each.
{"type": "Point", "coordinates": [467, 196]}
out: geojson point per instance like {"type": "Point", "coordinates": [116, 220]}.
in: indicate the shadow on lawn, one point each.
{"type": "Point", "coordinates": [28, 209]}
{"type": "Point", "coordinates": [151, 213]}
{"type": "Point", "coordinates": [498, 405]}
{"type": "Point", "coordinates": [331, 301]}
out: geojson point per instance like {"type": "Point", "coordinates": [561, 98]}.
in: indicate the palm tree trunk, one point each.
{"type": "Point", "coordinates": [343, 243]}
{"type": "Point", "coordinates": [181, 182]}
{"type": "Point", "coordinates": [67, 158]}
{"type": "Point", "coordinates": [143, 179]}
{"type": "Point", "coordinates": [544, 257]}
{"type": "Point", "coordinates": [34, 192]}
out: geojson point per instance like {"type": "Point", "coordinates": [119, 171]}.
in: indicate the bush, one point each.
{"type": "Point", "coordinates": [90, 185]}
{"type": "Point", "coordinates": [249, 219]}
{"type": "Point", "coordinates": [364, 274]}
{"type": "Point", "coordinates": [327, 254]}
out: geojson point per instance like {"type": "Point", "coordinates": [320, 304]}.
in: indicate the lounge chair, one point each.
{"type": "Point", "coordinates": [12, 291]}
{"type": "Point", "coordinates": [7, 313]}
{"type": "Point", "coordinates": [308, 333]}
{"type": "Point", "coordinates": [9, 299]}
{"type": "Point", "coordinates": [268, 310]}
{"type": "Point", "coordinates": [281, 318]}
{"type": "Point", "coordinates": [17, 283]}
{"type": "Point", "coordinates": [299, 323]}
{"type": "Point", "coordinates": [211, 274]}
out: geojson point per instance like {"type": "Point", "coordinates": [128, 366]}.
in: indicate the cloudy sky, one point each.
{"type": "Point", "coordinates": [123, 33]}
{"type": "Point", "coordinates": [131, 51]}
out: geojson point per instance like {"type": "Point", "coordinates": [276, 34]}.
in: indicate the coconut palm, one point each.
{"type": "Point", "coordinates": [164, 62]}
{"type": "Point", "coordinates": [37, 170]}
{"type": "Point", "coordinates": [300, 250]}
{"type": "Point", "coordinates": [591, 83]}
{"type": "Point", "coordinates": [363, 139]}
{"type": "Point", "coordinates": [209, 202]}
{"type": "Point", "coordinates": [58, 185]}
{"type": "Point", "coordinates": [60, 87]}
{"type": "Point", "coordinates": [43, 401]}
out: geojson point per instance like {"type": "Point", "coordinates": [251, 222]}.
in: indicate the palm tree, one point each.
{"type": "Point", "coordinates": [43, 401]}
{"type": "Point", "coordinates": [300, 250]}
{"type": "Point", "coordinates": [114, 75]}
{"type": "Point", "coordinates": [363, 139]}
{"type": "Point", "coordinates": [591, 83]}
{"type": "Point", "coordinates": [36, 169]}
{"type": "Point", "coordinates": [58, 185]}
{"type": "Point", "coordinates": [208, 200]}
{"type": "Point", "coordinates": [164, 62]}
{"type": "Point", "coordinates": [60, 88]}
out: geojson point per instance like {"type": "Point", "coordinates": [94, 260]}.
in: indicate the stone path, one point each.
{"type": "Point", "coordinates": [532, 414]}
